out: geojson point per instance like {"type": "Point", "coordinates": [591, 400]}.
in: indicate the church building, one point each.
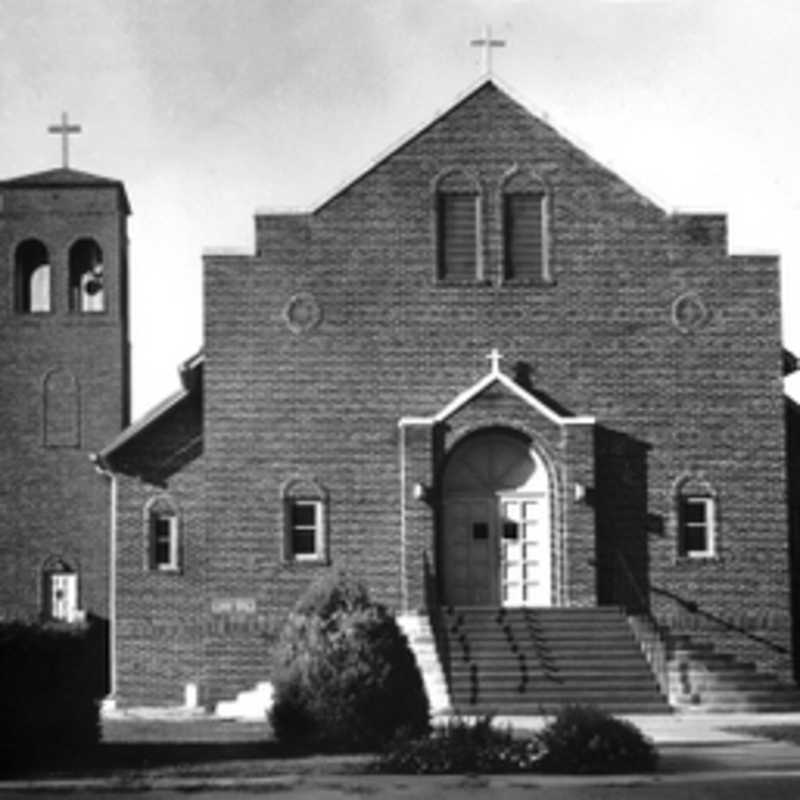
{"type": "Point", "coordinates": [541, 417]}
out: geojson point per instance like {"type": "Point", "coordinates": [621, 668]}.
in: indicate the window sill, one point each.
{"type": "Point", "coordinates": [532, 282]}
{"type": "Point", "coordinates": [307, 561]}
{"type": "Point", "coordinates": [453, 283]}
{"type": "Point", "coordinates": [699, 558]}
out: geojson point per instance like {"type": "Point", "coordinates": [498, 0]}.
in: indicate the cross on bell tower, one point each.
{"type": "Point", "coordinates": [487, 43]}
{"type": "Point", "coordinates": [64, 129]}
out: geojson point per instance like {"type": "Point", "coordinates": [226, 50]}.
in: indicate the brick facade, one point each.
{"type": "Point", "coordinates": [338, 327]}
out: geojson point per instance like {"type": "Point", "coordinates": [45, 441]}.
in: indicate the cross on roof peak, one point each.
{"type": "Point", "coordinates": [494, 359]}
{"type": "Point", "coordinates": [487, 43]}
{"type": "Point", "coordinates": [64, 129]}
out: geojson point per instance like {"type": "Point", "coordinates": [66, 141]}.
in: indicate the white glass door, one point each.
{"type": "Point", "coordinates": [525, 568]}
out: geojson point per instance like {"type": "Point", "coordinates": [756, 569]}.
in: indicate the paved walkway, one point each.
{"type": "Point", "coordinates": [694, 749]}
{"type": "Point", "coordinates": [685, 727]}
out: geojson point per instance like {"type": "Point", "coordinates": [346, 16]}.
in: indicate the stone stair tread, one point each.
{"type": "Point", "coordinates": [587, 655]}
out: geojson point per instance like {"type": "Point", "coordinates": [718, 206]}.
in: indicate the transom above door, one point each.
{"type": "Point", "coordinates": [495, 534]}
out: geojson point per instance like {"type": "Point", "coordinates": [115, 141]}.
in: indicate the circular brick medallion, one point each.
{"type": "Point", "coordinates": [302, 312]}
{"type": "Point", "coordinates": [689, 313]}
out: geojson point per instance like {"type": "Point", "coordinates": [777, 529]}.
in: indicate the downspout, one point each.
{"type": "Point", "coordinates": [109, 703]}
{"type": "Point", "coordinates": [403, 570]}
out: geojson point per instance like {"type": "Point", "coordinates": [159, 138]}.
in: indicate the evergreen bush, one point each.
{"type": "Point", "coordinates": [52, 678]}
{"type": "Point", "coordinates": [345, 678]}
{"type": "Point", "coordinates": [461, 747]}
{"type": "Point", "coordinates": [583, 739]}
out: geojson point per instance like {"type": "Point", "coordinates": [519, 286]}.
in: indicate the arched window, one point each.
{"type": "Point", "coordinates": [525, 229]}
{"type": "Point", "coordinates": [162, 534]}
{"type": "Point", "coordinates": [305, 525]}
{"type": "Point", "coordinates": [458, 228]}
{"type": "Point", "coordinates": [60, 600]}
{"type": "Point", "coordinates": [86, 286]}
{"type": "Point", "coordinates": [696, 513]}
{"type": "Point", "coordinates": [61, 409]}
{"type": "Point", "coordinates": [32, 278]}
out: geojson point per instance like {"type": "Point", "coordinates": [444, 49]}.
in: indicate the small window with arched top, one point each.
{"type": "Point", "coordinates": [458, 228]}
{"type": "Point", "coordinates": [86, 278]}
{"type": "Point", "coordinates": [696, 509]}
{"type": "Point", "coordinates": [305, 525]}
{"type": "Point", "coordinates": [32, 278]}
{"type": "Point", "coordinates": [162, 532]}
{"type": "Point", "coordinates": [525, 230]}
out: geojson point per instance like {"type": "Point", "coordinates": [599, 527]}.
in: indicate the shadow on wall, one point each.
{"type": "Point", "coordinates": [624, 525]}
{"type": "Point", "coordinates": [793, 499]}
{"type": "Point", "coordinates": [695, 608]}
{"type": "Point", "coordinates": [621, 520]}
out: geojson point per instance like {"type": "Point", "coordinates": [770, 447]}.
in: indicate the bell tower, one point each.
{"type": "Point", "coordinates": [64, 386]}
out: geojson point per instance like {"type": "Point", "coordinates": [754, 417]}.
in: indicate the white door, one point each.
{"type": "Point", "coordinates": [495, 535]}
{"type": "Point", "coordinates": [525, 568]}
{"type": "Point", "coordinates": [470, 543]}
{"type": "Point", "coordinates": [64, 596]}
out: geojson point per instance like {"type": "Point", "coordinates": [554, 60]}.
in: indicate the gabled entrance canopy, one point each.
{"type": "Point", "coordinates": [514, 542]}
{"type": "Point", "coordinates": [496, 376]}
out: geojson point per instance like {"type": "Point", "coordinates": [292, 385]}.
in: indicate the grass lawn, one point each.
{"type": "Point", "coordinates": [138, 750]}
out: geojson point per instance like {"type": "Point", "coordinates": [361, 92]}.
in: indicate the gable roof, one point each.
{"type": "Point", "coordinates": [483, 85]}
{"type": "Point", "coordinates": [138, 450]}
{"type": "Point", "coordinates": [64, 177]}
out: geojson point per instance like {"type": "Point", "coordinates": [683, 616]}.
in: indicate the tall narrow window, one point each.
{"type": "Point", "coordinates": [525, 234]}
{"type": "Point", "coordinates": [86, 279]}
{"type": "Point", "coordinates": [61, 409]}
{"type": "Point", "coordinates": [304, 503]}
{"type": "Point", "coordinates": [696, 526]}
{"type": "Point", "coordinates": [163, 535]}
{"type": "Point", "coordinates": [697, 512]}
{"type": "Point", "coordinates": [305, 528]}
{"type": "Point", "coordinates": [32, 278]}
{"type": "Point", "coordinates": [457, 229]}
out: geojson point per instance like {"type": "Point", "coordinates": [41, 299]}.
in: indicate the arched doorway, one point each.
{"type": "Point", "coordinates": [495, 535]}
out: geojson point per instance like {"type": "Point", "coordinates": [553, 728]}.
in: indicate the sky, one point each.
{"type": "Point", "coordinates": [211, 109]}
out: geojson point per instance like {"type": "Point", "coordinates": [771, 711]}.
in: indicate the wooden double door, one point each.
{"type": "Point", "coordinates": [495, 535]}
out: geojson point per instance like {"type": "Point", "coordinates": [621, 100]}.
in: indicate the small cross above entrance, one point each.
{"type": "Point", "coordinates": [64, 129]}
{"type": "Point", "coordinates": [487, 43]}
{"type": "Point", "coordinates": [494, 358]}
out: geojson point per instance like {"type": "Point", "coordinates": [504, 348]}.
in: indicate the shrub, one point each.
{"type": "Point", "coordinates": [459, 747]}
{"type": "Point", "coordinates": [583, 739]}
{"type": "Point", "coordinates": [52, 677]}
{"type": "Point", "coordinates": [345, 678]}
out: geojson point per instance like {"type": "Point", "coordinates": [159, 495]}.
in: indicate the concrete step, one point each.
{"type": "Point", "coordinates": [547, 657]}
{"type": "Point", "coordinates": [253, 704]}
{"type": "Point", "coordinates": [552, 706]}
{"type": "Point", "coordinates": [595, 683]}
{"type": "Point", "coordinates": [565, 654]}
